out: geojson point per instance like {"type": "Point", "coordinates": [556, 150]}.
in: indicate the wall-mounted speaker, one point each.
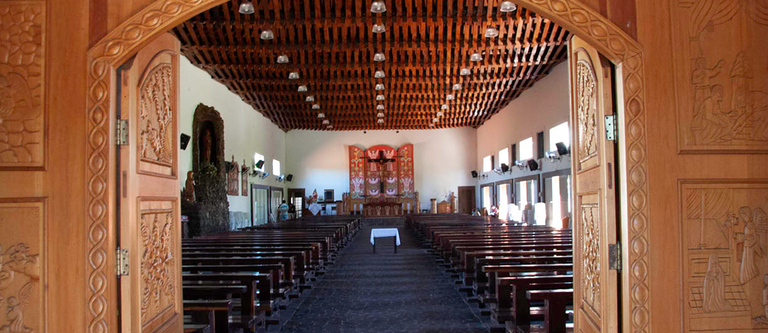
{"type": "Point", "coordinates": [474, 174]}
{"type": "Point", "coordinates": [184, 141]}
{"type": "Point", "coordinates": [561, 149]}
{"type": "Point", "coordinates": [260, 164]}
{"type": "Point", "coordinates": [533, 165]}
{"type": "Point", "coordinates": [289, 177]}
{"type": "Point", "coordinates": [504, 167]}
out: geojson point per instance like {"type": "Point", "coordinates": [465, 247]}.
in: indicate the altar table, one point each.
{"type": "Point", "coordinates": [385, 232]}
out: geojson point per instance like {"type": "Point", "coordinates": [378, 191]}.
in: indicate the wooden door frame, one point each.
{"type": "Point", "coordinates": [474, 196]}
{"type": "Point", "coordinates": [303, 191]}
{"type": "Point", "coordinates": [160, 16]}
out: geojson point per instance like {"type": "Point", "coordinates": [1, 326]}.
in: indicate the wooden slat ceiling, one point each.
{"type": "Point", "coordinates": [331, 45]}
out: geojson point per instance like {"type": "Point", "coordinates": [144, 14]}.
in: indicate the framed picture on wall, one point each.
{"type": "Point", "coordinates": [328, 196]}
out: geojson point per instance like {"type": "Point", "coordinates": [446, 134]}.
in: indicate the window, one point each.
{"type": "Point", "coordinates": [487, 197]}
{"type": "Point", "coordinates": [557, 134]}
{"type": "Point", "coordinates": [526, 149]}
{"type": "Point", "coordinates": [487, 163]}
{"type": "Point", "coordinates": [276, 167]}
{"type": "Point", "coordinates": [504, 156]}
{"type": "Point", "coordinates": [256, 158]}
{"type": "Point", "coordinates": [558, 199]}
{"type": "Point", "coordinates": [527, 195]}
{"type": "Point", "coordinates": [503, 196]}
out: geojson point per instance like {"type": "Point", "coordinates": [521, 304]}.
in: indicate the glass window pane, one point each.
{"type": "Point", "coordinates": [487, 167]}
{"type": "Point", "coordinates": [557, 134]}
{"type": "Point", "coordinates": [276, 167]}
{"type": "Point", "coordinates": [256, 158]}
{"type": "Point", "coordinates": [503, 190]}
{"type": "Point", "coordinates": [504, 156]}
{"type": "Point", "coordinates": [526, 149]}
{"type": "Point", "coordinates": [487, 198]}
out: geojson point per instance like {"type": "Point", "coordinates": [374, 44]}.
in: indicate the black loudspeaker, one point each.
{"type": "Point", "coordinates": [504, 167]}
{"type": "Point", "coordinates": [259, 164]}
{"type": "Point", "coordinates": [561, 149]}
{"type": "Point", "coordinates": [474, 174]}
{"type": "Point", "coordinates": [533, 165]}
{"type": "Point", "coordinates": [184, 141]}
{"type": "Point", "coordinates": [289, 177]}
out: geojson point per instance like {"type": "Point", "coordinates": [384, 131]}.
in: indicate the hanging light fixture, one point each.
{"type": "Point", "coordinates": [282, 59]}
{"type": "Point", "coordinates": [444, 107]}
{"type": "Point", "coordinates": [267, 35]}
{"type": "Point", "coordinates": [380, 121]}
{"type": "Point", "coordinates": [380, 107]}
{"type": "Point", "coordinates": [379, 97]}
{"type": "Point", "coordinates": [475, 57]}
{"type": "Point", "coordinates": [326, 122]}
{"type": "Point", "coordinates": [380, 115]}
{"type": "Point", "coordinates": [302, 88]}
{"type": "Point", "coordinates": [465, 72]}
{"type": "Point", "coordinates": [246, 8]}
{"type": "Point", "coordinates": [431, 125]}
{"type": "Point", "coordinates": [379, 57]}
{"type": "Point", "coordinates": [310, 98]}
{"type": "Point", "coordinates": [507, 6]}
{"type": "Point", "coordinates": [456, 86]}
{"type": "Point", "coordinates": [330, 126]}
{"type": "Point", "coordinates": [378, 7]}
{"type": "Point", "coordinates": [439, 113]}
{"type": "Point", "coordinates": [491, 32]}
{"type": "Point", "coordinates": [321, 115]}
{"type": "Point", "coordinates": [293, 75]}
{"type": "Point", "coordinates": [434, 120]}
{"type": "Point", "coordinates": [378, 28]}
{"type": "Point", "coordinates": [450, 97]}
{"type": "Point", "coordinates": [379, 74]}
{"type": "Point", "coordinates": [379, 87]}
{"type": "Point", "coordinates": [315, 106]}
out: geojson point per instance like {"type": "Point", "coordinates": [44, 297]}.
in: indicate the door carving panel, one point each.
{"type": "Point", "coordinates": [22, 266]}
{"type": "Point", "coordinates": [22, 83]}
{"type": "Point", "coordinates": [725, 256]}
{"type": "Point", "coordinates": [721, 75]}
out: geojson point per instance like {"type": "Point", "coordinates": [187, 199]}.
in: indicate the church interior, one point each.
{"type": "Point", "coordinates": [249, 166]}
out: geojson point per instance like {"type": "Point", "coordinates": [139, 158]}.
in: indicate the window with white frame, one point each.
{"type": "Point", "coordinates": [504, 156]}
{"type": "Point", "coordinates": [276, 167]}
{"type": "Point", "coordinates": [256, 158]}
{"type": "Point", "coordinates": [525, 149]}
{"type": "Point", "coordinates": [557, 134]}
{"type": "Point", "coordinates": [487, 164]}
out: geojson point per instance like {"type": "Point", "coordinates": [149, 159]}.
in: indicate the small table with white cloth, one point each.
{"type": "Point", "coordinates": [385, 232]}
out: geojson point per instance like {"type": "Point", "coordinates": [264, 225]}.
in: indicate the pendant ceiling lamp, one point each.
{"type": "Point", "coordinates": [507, 6]}
{"type": "Point", "coordinates": [378, 7]}
{"type": "Point", "coordinates": [267, 35]}
{"type": "Point", "coordinates": [246, 8]}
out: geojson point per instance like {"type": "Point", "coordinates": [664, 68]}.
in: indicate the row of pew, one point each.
{"type": "Point", "coordinates": [522, 276]}
{"type": "Point", "coordinates": [240, 280]}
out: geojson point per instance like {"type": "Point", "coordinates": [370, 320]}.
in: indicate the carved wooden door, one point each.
{"type": "Point", "coordinates": [148, 191]}
{"type": "Point", "coordinates": [595, 284]}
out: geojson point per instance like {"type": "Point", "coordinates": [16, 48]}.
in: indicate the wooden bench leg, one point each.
{"type": "Point", "coordinates": [555, 316]}
{"type": "Point", "coordinates": [374, 245]}
{"type": "Point", "coordinates": [394, 241]}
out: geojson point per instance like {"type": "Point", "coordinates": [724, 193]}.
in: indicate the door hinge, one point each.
{"type": "Point", "coordinates": [121, 132]}
{"type": "Point", "coordinates": [614, 256]}
{"type": "Point", "coordinates": [122, 266]}
{"type": "Point", "coordinates": [611, 128]}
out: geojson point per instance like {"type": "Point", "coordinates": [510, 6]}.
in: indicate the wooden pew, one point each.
{"type": "Point", "coordinates": [512, 300]}
{"type": "Point", "coordinates": [206, 315]}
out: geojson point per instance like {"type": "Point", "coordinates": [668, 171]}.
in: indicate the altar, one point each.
{"type": "Point", "coordinates": [381, 182]}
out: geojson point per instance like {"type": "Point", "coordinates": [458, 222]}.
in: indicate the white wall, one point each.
{"type": "Point", "coordinates": [443, 159]}
{"type": "Point", "coordinates": [539, 108]}
{"type": "Point", "coordinates": [245, 130]}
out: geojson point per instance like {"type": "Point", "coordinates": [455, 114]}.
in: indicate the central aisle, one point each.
{"type": "Point", "coordinates": [384, 292]}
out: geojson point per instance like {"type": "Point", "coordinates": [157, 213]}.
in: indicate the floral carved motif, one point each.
{"type": "Point", "coordinates": [19, 272]}
{"type": "Point", "coordinates": [157, 263]}
{"type": "Point", "coordinates": [21, 85]}
{"type": "Point", "coordinates": [587, 110]}
{"type": "Point", "coordinates": [590, 247]}
{"type": "Point", "coordinates": [156, 115]}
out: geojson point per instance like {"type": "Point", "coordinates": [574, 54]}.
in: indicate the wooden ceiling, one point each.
{"type": "Point", "coordinates": [331, 45]}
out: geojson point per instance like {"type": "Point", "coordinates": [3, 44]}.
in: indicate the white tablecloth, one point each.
{"type": "Point", "coordinates": [385, 232]}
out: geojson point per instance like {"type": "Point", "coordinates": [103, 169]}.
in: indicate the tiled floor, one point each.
{"type": "Point", "coordinates": [384, 292]}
